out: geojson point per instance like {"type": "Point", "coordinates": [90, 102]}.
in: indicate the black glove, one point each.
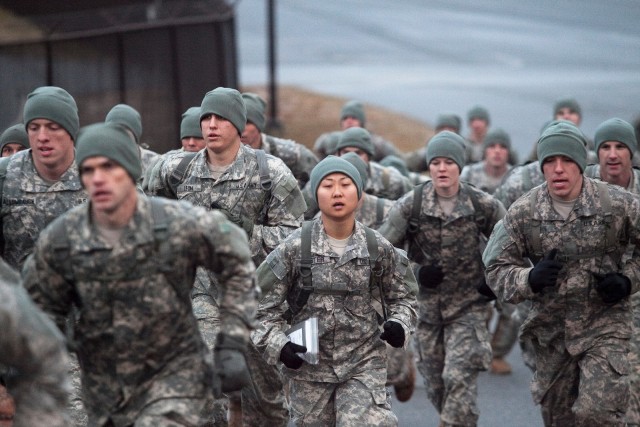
{"type": "Point", "coordinates": [393, 334]}
{"type": "Point", "coordinates": [485, 290]}
{"type": "Point", "coordinates": [429, 276]}
{"type": "Point", "coordinates": [240, 220]}
{"type": "Point", "coordinates": [613, 287]}
{"type": "Point", "coordinates": [545, 273]}
{"type": "Point", "coordinates": [288, 355]}
{"type": "Point", "coordinates": [230, 372]}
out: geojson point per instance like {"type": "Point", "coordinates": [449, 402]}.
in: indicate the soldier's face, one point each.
{"type": "Point", "coordinates": [614, 158]}
{"type": "Point", "coordinates": [568, 114]}
{"type": "Point", "coordinates": [193, 144]}
{"type": "Point", "coordinates": [478, 126]}
{"type": "Point", "coordinates": [445, 174]}
{"type": "Point", "coordinates": [350, 122]}
{"type": "Point", "coordinates": [11, 148]}
{"type": "Point", "coordinates": [563, 177]}
{"type": "Point", "coordinates": [337, 196]}
{"type": "Point", "coordinates": [51, 145]}
{"type": "Point", "coordinates": [220, 134]}
{"type": "Point", "coordinates": [251, 136]}
{"type": "Point", "coordinates": [108, 184]}
{"type": "Point", "coordinates": [496, 155]}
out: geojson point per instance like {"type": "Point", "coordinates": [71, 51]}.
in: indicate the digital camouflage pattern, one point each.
{"type": "Point", "coordinates": [569, 324]}
{"type": "Point", "coordinates": [298, 158]}
{"type": "Point", "coordinates": [519, 180]}
{"type": "Point", "coordinates": [452, 332]}
{"type": "Point", "coordinates": [476, 174]}
{"type": "Point", "coordinates": [325, 145]}
{"type": "Point", "coordinates": [147, 159]}
{"type": "Point", "coordinates": [34, 349]}
{"type": "Point", "coordinates": [633, 412]}
{"type": "Point", "coordinates": [385, 182]}
{"type": "Point", "coordinates": [348, 323]}
{"type": "Point", "coordinates": [142, 289]}
{"type": "Point", "coordinates": [373, 210]}
{"type": "Point", "coordinates": [29, 204]}
{"type": "Point", "coordinates": [274, 214]}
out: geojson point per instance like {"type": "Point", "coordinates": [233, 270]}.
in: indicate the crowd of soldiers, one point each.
{"type": "Point", "coordinates": [244, 279]}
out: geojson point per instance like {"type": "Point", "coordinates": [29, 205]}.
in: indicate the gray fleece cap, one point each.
{"type": "Point", "coordinates": [14, 134]}
{"type": "Point", "coordinates": [127, 116]}
{"type": "Point", "coordinates": [563, 139]}
{"type": "Point", "coordinates": [226, 103]}
{"type": "Point", "coordinates": [446, 144]}
{"type": "Point", "coordinates": [356, 137]}
{"type": "Point", "coordinates": [55, 104]}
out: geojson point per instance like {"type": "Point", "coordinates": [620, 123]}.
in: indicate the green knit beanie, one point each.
{"type": "Point", "coordinates": [569, 103]}
{"type": "Point", "coordinates": [255, 109]}
{"type": "Point", "coordinates": [333, 138]}
{"type": "Point", "coordinates": [616, 130]}
{"type": "Point", "coordinates": [190, 125]}
{"type": "Point", "coordinates": [55, 104]}
{"type": "Point", "coordinates": [356, 137]}
{"type": "Point", "coordinates": [359, 164]}
{"type": "Point", "coordinates": [478, 112]}
{"type": "Point", "coordinates": [111, 141]}
{"type": "Point", "coordinates": [127, 116]}
{"type": "Point", "coordinates": [449, 120]}
{"type": "Point", "coordinates": [333, 164]}
{"type": "Point", "coordinates": [14, 134]}
{"type": "Point", "coordinates": [447, 144]}
{"type": "Point", "coordinates": [353, 109]}
{"type": "Point", "coordinates": [563, 139]}
{"type": "Point", "coordinates": [497, 136]}
{"type": "Point", "coordinates": [395, 162]}
{"type": "Point", "coordinates": [226, 103]}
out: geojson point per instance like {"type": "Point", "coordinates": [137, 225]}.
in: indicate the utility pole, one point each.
{"type": "Point", "coordinates": [273, 124]}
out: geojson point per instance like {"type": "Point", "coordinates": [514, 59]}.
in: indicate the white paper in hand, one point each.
{"type": "Point", "coordinates": [306, 333]}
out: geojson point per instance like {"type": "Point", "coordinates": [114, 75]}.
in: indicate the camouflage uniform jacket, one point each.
{"type": "Point", "coordinates": [29, 204]}
{"type": "Point", "coordinates": [137, 339]}
{"type": "Point", "coordinates": [571, 313]}
{"type": "Point", "coordinates": [33, 346]}
{"type": "Point", "coordinates": [517, 182]}
{"type": "Point", "coordinates": [477, 175]}
{"type": "Point", "coordinates": [593, 171]}
{"type": "Point", "coordinates": [275, 213]}
{"type": "Point", "coordinates": [350, 341]}
{"type": "Point", "coordinates": [298, 158]}
{"type": "Point", "coordinates": [147, 158]}
{"type": "Point", "coordinates": [451, 242]}
{"type": "Point", "coordinates": [386, 182]}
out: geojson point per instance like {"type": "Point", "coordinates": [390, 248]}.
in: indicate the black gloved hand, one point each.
{"type": "Point", "coordinates": [429, 276]}
{"type": "Point", "coordinates": [613, 287]}
{"type": "Point", "coordinates": [545, 273]}
{"type": "Point", "coordinates": [230, 372]}
{"type": "Point", "coordinates": [240, 220]}
{"type": "Point", "coordinates": [485, 290]}
{"type": "Point", "coordinates": [393, 333]}
{"type": "Point", "coordinates": [288, 355]}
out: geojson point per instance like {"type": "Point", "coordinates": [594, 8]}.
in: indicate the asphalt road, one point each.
{"type": "Point", "coordinates": [424, 57]}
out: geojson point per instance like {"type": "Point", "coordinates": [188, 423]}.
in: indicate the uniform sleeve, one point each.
{"type": "Point", "coordinates": [631, 267]}
{"type": "Point", "coordinates": [33, 346]}
{"type": "Point", "coordinates": [274, 276]}
{"type": "Point", "coordinates": [395, 226]}
{"type": "Point", "coordinates": [400, 290]}
{"type": "Point", "coordinates": [507, 271]}
{"type": "Point", "coordinates": [46, 285]}
{"type": "Point", "coordinates": [229, 258]}
{"type": "Point", "coordinates": [284, 214]}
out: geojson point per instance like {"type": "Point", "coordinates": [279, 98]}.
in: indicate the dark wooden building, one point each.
{"type": "Point", "coordinates": [159, 56]}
